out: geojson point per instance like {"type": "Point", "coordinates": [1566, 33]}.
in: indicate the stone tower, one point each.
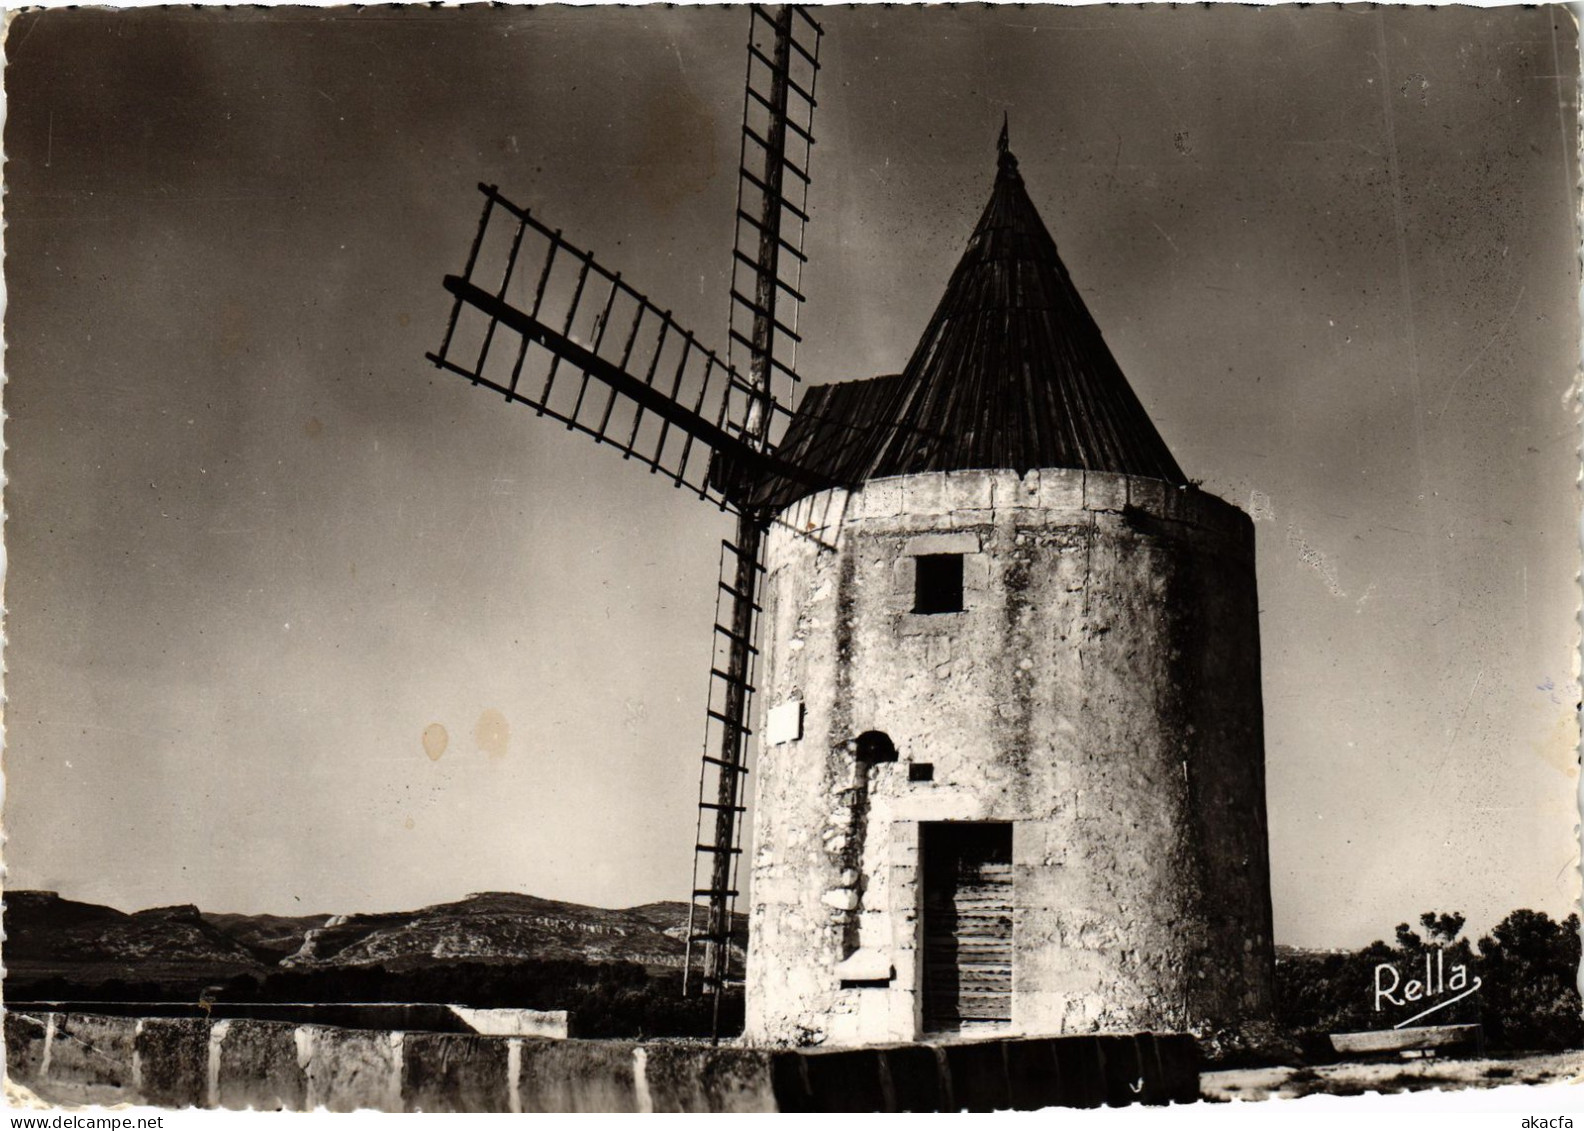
{"type": "Point", "coordinates": [1011, 777]}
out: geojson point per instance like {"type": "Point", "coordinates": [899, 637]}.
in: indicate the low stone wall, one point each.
{"type": "Point", "coordinates": [72, 1058]}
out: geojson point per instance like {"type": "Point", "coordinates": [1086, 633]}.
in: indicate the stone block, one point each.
{"type": "Point", "coordinates": [1121, 1069]}
{"type": "Point", "coordinates": [1081, 1071]}
{"type": "Point", "coordinates": [880, 498]}
{"type": "Point", "coordinates": [924, 494]}
{"type": "Point", "coordinates": [976, 577]}
{"type": "Point", "coordinates": [1177, 503]}
{"type": "Point", "coordinates": [1151, 1070]}
{"type": "Point", "coordinates": [681, 1079]}
{"type": "Point", "coordinates": [1061, 490]}
{"type": "Point", "coordinates": [943, 542]}
{"type": "Point", "coordinates": [812, 513]}
{"type": "Point", "coordinates": [843, 1025]}
{"type": "Point", "coordinates": [900, 597]}
{"type": "Point", "coordinates": [877, 1019]}
{"type": "Point", "coordinates": [451, 1072]}
{"type": "Point", "coordinates": [790, 1083]}
{"type": "Point", "coordinates": [1039, 842]}
{"type": "Point", "coordinates": [173, 1061]}
{"type": "Point", "coordinates": [903, 1000]}
{"type": "Point", "coordinates": [795, 516]}
{"type": "Point", "coordinates": [834, 514]}
{"type": "Point", "coordinates": [928, 624]}
{"type": "Point", "coordinates": [1148, 495]}
{"type": "Point", "coordinates": [349, 1070]}
{"type": "Point", "coordinates": [563, 1076]}
{"type": "Point", "coordinates": [945, 803]}
{"type": "Point", "coordinates": [866, 964]}
{"type": "Point", "coordinates": [969, 491]}
{"type": "Point", "coordinates": [508, 1022]}
{"type": "Point", "coordinates": [92, 1057]}
{"type": "Point", "coordinates": [1033, 1075]}
{"type": "Point", "coordinates": [842, 899]}
{"type": "Point", "coordinates": [1022, 492]}
{"type": "Point", "coordinates": [905, 834]}
{"type": "Point", "coordinates": [1086, 929]}
{"type": "Point", "coordinates": [24, 1045]}
{"type": "Point", "coordinates": [1104, 491]}
{"type": "Point", "coordinates": [1177, 1062]}
{"type": "Point", "coordinates": [844, 1080]}
{"type": "Point", "coordinates": [828, 514]}
{"type": "Point", "coordinates": [1081, 1012]}
{"type": "Point", "coordinates": [904, 949]}
{"type": "Point", "coordinates": [259, 1066]}
{"type": "Point", "coordinates": [818, 512]}
{"type": "Point", "coordinates": [829, 509]}
{"type": "Point", "coordinates": [912, 1078]}
{"type": "Point", "coordinates": [1011, 492]}
{"type": "Point", "coordinates": [979, 1076]}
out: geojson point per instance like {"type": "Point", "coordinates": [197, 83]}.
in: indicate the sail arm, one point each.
{"type": "Point", "coordinates": [541, 323]}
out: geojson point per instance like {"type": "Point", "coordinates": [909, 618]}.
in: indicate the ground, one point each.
{"type": "Point", "coordinates": [1391, 1076]}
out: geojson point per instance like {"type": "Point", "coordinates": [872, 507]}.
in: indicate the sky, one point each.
{"type": "Point", "coordinates": [297, 623]}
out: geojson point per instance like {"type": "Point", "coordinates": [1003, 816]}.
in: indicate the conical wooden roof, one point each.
{"type": "Point", "coordinates": [1011, 373]}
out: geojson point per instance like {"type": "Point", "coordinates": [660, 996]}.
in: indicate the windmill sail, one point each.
{"type": "Point", "coordinates": [767, 271]}
{"type": "Point", "coordinates": [772, 200]}
{"type": "Point", "coordinates": [537, 320]}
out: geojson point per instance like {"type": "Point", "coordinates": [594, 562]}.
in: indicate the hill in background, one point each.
{"type": "Point", "coordinates": [48, 937]}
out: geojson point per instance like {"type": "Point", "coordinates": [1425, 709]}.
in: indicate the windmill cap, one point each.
{"type": "Point", "coordinates": [1010, 373]}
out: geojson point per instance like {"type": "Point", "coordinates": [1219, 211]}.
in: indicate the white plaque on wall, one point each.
{"type": "Point", "coordinates": [784, 723]}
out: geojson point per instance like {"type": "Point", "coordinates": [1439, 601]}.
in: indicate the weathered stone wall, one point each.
{"type": "Point", "coordinates": [1100, 690]}
{"type": "Point", "coordinates": [76, 1059]}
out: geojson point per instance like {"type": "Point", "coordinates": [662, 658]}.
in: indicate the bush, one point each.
{"type": "Point", "coordinates": [1530, 996]}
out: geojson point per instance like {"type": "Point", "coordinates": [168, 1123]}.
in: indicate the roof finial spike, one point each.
{"type": "Point", "coordinates": [1004, 158]}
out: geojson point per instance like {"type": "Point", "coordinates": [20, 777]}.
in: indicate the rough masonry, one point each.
{"type": "Point", "coordinates": [1099, 692]}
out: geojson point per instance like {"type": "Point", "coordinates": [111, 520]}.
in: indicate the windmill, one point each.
{"type": "Point", "coordinates": [965, 825]}
{"type": "Point", "coordinates": [540, 322]}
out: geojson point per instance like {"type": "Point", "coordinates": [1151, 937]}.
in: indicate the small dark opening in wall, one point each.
{"type": "Point", "coordinates": [874, 747]}
{"type": "Point", "coordinates": [921, 771]}
{"type": "Point", "coordinates": [938, 583]}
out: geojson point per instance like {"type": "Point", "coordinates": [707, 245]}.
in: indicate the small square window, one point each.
{"type": "Point", "coordinates": [921, 771]}
{"type": "Point", "coordinates": [938, 583]}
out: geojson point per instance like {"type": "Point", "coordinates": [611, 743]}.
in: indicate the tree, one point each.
{"type": "Point", "coordinates": [1336, 993]}
{"type": "Point", "coordinates": [1439, 930]}
{"type": "Point", "coordinates": [1530, 996]}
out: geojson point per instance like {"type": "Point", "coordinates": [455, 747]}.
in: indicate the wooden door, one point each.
{"type": "Point", "coordinates": [967, 926]}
